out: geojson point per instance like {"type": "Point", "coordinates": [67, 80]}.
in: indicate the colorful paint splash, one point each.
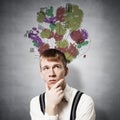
{"type": "Point", "coordinates": [60, 29]}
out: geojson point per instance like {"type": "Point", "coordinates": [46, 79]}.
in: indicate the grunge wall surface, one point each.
{"type": "Point", "coordinates": [98, 75]}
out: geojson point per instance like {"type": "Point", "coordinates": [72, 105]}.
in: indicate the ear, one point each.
{"type": "Point", "coordinates": [41, 73]}
{"type": "Point", "coordinates": [66, 71]}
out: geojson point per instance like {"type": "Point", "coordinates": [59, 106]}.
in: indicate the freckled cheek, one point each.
{"type": "Point", "coordinates": [62, 74]}
{"type": "Point", "coordinates": [45, 76]}
{"type": "Point", "coordinates": [45, 73]}
{"type": "Point", "coordinates": [46, 79]}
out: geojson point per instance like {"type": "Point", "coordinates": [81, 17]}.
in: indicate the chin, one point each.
{"type": "Point", "coordinates": [50, 86]}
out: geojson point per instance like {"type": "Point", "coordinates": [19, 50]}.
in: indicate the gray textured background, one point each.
{"type": "Point", "coordinates": [98, 75]}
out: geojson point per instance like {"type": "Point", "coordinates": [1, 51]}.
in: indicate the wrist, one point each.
{"type": "Point", "coordinates": [51, 117]}
{"type": "Point", "coordinates": [51, 110]}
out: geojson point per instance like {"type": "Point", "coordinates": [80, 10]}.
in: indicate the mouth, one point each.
{"type": "Point", "coordinates": [51, 81]}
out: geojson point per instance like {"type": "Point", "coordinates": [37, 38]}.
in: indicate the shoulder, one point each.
{"type": "Point", "coordinates": [86, 98]}
{"type": "Point", "coordinates": [34, 102]}
{"type": "Point", "coordinates": [34, 99]}
{"type": "Point", "coordinates": [85, 108]}
{"type": "Point", "coordinates": [86, 101]}
{"type": "Point", "coordinates": [35, 110]}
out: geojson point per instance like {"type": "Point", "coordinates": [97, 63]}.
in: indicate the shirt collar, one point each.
{"type": "Point", "coordinates": [67, 92]}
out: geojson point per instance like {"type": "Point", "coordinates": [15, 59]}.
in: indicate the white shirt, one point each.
{"type": "Point", "coordinates": [85, 109]}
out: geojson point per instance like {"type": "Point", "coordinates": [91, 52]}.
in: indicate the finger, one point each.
{"type": "Point", "coordinates": [61, 95]}
{"type": "Point", "coordinates": [58, 83]}
{"type": "Point", "coordinates": [60, 92]}
{"type": "Point", "coordinates": [58, 88]}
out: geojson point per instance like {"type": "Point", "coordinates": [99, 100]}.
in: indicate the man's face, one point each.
{"type": "Point", "coordinates": [52, 71]}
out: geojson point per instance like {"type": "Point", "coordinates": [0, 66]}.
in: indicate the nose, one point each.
{"type": "Point", "coordinates": [52, 73]}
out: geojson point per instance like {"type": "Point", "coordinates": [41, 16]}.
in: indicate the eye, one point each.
{"type": "Point", "coordinates": [57, 66]}
{"type": "Point", "coordinates": [45, 68]}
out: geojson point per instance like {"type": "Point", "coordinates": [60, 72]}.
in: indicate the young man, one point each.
{"type": "Point", "coordinates": [59, 96]}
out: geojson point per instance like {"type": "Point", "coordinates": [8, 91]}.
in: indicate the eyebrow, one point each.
{"type": "Point", "coordinates": [44, 66]}
{"type": "Point", "coordinates": [52, 66]}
